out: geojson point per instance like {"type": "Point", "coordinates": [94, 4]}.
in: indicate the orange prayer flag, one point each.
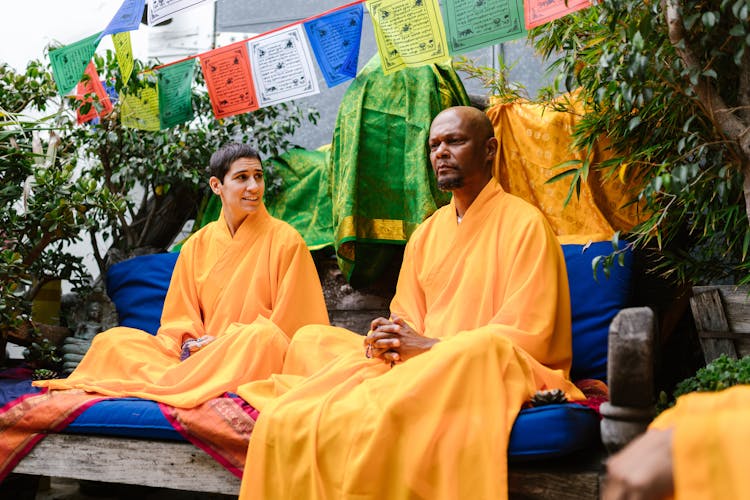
{"type": "Point", "coordinates": [539, 12]}
{"type": "Point", "coordinates": [91, 84]}
{"type": "Point", "coordinates": [229, 81]}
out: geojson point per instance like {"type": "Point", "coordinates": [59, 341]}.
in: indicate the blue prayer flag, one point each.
{"type": "Point", "coordinates": [127, 18]}
{"type": "Point", "coordinates": [335, 40]}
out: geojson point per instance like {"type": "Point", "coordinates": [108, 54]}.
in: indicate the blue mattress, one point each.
{"type": "Point", "coordinates": [543, 432]}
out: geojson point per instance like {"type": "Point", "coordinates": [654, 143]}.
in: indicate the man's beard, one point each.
{"type": "Point", "coordinates": [450, 184]}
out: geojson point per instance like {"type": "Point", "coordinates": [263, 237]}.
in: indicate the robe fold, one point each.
{"type": "Point", "coordinates": [250, 291]}
{"type": "Point", "coordinates": [710, 444]}
{"type": "Point", "coordinates": [335, 424]}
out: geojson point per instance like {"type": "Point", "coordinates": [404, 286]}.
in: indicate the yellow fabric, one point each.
{"type": "Point", "coordinates": [251, 291]}
{"type": "Point", "coordinates": [533, 140]}
{"type": "Point", "coordinates": [710, 444]}
{"type": "Point", "coordinates": [337, 425]}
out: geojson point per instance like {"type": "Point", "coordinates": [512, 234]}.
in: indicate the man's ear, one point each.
{"type": "Point", "coordinates": [215, 184]}
{"type": "Point", "coordinates": [491, 147]}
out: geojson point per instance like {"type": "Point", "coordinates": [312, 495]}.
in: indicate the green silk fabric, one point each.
{"type": "Point", "coordinates": [382, 183]}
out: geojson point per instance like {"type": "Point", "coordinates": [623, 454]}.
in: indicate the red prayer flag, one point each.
{"type": "Point", "coordinates": [538, 12]}
{"type": "Point", "coordinates": [91, 84]}
{"type": "Point", "coordinates": [229, 81]}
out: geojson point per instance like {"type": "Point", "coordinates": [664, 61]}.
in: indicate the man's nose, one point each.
{"type": "Point", "coordinates": [440, 149]}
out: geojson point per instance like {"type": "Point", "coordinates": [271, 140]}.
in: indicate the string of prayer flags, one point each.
{"type": "Point", "coordinates": [474, 24]}
{"type": "Point", "coordinates": [282, 66]}
{"type": "Point", "coordinates": [141, 111]}
{"type": "Point", "coordinates": [408, 33]}
{"type": "Point", "coordinates": [162, 10]}
{"type": "Point", "coordinates": [175, 93]}
{"type": "Point", "coordinates": [90, 84]}
{"type": "Point", "coordinates": [123, 54]}
{"type": "Point", "coordinates": [335, 40]}
{"type": "Point", "coordinates": [539, 12]}
{"type": "Point", "coordinates": [127, 18]}
{"type": "Point", "coordinates": [69, 62]}
{"type": "Point", "coordinates": [229, 81]}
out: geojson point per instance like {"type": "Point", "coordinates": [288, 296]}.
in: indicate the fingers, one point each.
{"type": "Point", "coordinates": [377, 322]}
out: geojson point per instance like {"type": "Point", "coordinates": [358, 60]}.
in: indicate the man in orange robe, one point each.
{"type": "Point", "coordinates": [696, 450]}
{"type": "Point", "coordinates": [480, 322]}
{"type": "Point", "coordinates": [241, 287]}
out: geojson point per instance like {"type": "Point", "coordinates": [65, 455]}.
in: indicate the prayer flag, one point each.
{"type": "Point", "coordinates": [141, 111]}
{"type": "Point", "coordinates": [335, 41]}
{"type": "Point", "coordinates": [127, 18]}
{"type": "Point", "coordinates": [161, 10]}
{"type": "Point", "coordinates": [539, 12]}
{"type": "Point", "coordinates": [282, 67]}
{"type": "Point", "coordinates": [229, 81]}
{"type": "Point", "coordinates": [92, 85]}
{"type": "Point", "coordinates": [408, 33]}
{"type": "Point", "coordinates": [69, 62]}
{"type": "Point", "coordinates": [473, 24]}
{"type": "Point", "coordinates": [175, 93]}
{"type": "Point", "coordinates": [124, 54]}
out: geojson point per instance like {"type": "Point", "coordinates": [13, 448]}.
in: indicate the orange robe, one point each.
{"type": "Point", "coordinates": [710, 444]}
{"type": "Point", "coordinates": [251, 292]}
{"type": "Point", "coordinates": [337, 425]}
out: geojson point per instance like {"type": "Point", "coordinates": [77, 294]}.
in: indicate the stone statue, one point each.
{"type": "Point", "coordinates": [75, 346]}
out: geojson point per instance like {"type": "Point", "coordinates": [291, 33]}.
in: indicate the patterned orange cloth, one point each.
{"type": "Point", "coordinates": [26, 420]}
{"type": "Point", "coordinates": [533, 140]}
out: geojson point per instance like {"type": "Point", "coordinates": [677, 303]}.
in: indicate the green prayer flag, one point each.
{"type": "Point", "coordinates": [69, 62]}
{"type": "Point", "coordinates": [175, 93]}
{"type": "Point", "coordinates": [472, 24]}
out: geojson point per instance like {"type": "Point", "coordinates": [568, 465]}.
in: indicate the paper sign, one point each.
{"type": "Point", "coordinates": [473, 24]}
{"type": "Point", "coordinates": [127, 18]}
{"type": "Point", "coordinates": [335, 42]}
{"type": "Point", "coordinates": [124, 54]}
{"type": "Point", "coordinates": [539, 12]}
{"type": "Point", "coordinates": [69, 62]}
{"type": "Point", "coordinates": [161, 10]}
{"type": "Point", "coordinates": [92, 85]}
{"type": "Point", "coordinates": [229, 81]}
{"type": "Point", "coordinates": [141, 111]}
{"type": "Point", "coordinates": [282, 67]}
{"type": "Point", "coordinates": [408, 32]}
{"type": "Point", "coordinates": [175, 93]}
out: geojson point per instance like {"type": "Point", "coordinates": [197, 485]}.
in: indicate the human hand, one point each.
{"type": "Point", "coordinates": [642, 470]}
{"type": "Point", "coordinates": [191, 346]}
{"type": "Point", "coordinates": [394, 340]}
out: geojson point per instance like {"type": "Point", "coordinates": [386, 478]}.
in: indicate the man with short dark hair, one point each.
{"type": "Point", "coordinates": [480, 322]}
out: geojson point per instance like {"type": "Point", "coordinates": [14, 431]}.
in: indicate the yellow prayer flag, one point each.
{"type": "Point", "coordinates": [141, 111]}
{"type": "Point", "coordinates": [408, 33]}
{"type": "Point", "coordinates": [124, 54]}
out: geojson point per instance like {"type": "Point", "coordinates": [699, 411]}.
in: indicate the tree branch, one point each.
{"type": "Point", "coordinates": [710, 100]}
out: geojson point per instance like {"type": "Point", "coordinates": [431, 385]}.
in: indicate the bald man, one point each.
{"type": "Point", "coordinates": [480, 322]}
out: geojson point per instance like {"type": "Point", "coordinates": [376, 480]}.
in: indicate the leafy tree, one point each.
{"type": "Point", "coordinates": [668, 83]}
{"type": "Point", "coordinates": [42, 201]}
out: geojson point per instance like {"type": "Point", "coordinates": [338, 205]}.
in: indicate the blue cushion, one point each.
{"type": "Point", "coordinates": [12, 389]}
{"type": "Point", "coordinates": [594, 303]}
{"type": "Point", "coordinates": [552, 431]}
{"type": "Point", "coordinates": [129, 417]}
{"type": "Point", "coordinates": [138, 286]}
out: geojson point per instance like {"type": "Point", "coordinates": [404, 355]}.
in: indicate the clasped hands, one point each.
{"type": "Point", "coordinates": [394, 341]}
